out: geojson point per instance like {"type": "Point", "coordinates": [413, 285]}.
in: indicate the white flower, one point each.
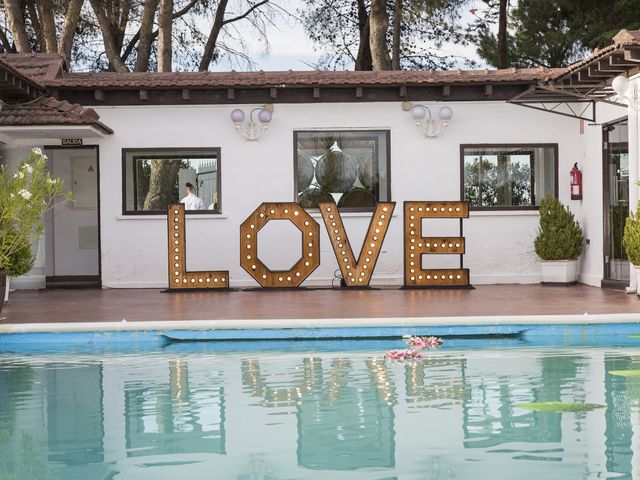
{"type": "Point", "coordinates": [25, 194]}
{"type": "Point", "coordinates": [12, 195]}
{"type": "Point", "coordinates": [28, 168]}
{"type": "Point", "coordinates": [51, 181]}
{"type": "Point", "coordinates": [18, 174]}
{"type": "Point", "coordinates": [37, 150]}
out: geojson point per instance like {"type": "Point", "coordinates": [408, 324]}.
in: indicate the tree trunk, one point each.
{"type": "Point", "coordinates": [120, 21]}
{"type": "Point", "coordinates": [34, 17]}
{"type": "Point", "coordinates": [6, 44]}
{"type": "Point", "coordinates": [15, 19]}
{"type": "Point", "coordinates": [397, 26]}
{"type": "Point", "coordinates": [45, 10]}
{"type": "Point", "coordinates": [378, 24]}
{"type": "Point", "coordinates": [134, 40]}
{"type": "Point", "coordinates": [162, 183]}
{"type": "Point", "coordinates": [165, 44]}
{"type": "Point", "coordinates": [113, 54]}
{"type": "Point", "coordinates": [209, 48]}
{"type": "Point", "coordinates": [503, 57]}
{"type": "Point", "coordinates": [71, 17]}
{"type": "Point", "coordinates": [363, 60]}
{"type": "Point", "coordinates": [146, 36]}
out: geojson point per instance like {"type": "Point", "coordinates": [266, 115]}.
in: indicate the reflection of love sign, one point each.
{"type": "Point", "coordinates": [356, 272]}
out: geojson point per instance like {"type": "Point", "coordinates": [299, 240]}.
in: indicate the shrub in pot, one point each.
{"type": "Point", "coordinates": [631, 240]}
{"type": "Point", "coordinates": [558, 243]}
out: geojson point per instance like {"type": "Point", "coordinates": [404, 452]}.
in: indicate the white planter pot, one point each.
{"type": "Point", "coordinates": [636, 269]}
{"type": "Point", "coordinates": [6, 289]}
{"type": "Point", "coordinates": [559, 272]}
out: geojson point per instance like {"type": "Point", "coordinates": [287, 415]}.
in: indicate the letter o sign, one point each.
{"type": "Point", "coordinates": [249, 257]}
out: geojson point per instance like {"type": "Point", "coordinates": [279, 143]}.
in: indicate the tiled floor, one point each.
{"type": "Point", "coordinates": [144, 305]}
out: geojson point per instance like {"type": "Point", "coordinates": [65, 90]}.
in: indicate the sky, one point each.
{"type": "Point", "coordinates": [289, 47]}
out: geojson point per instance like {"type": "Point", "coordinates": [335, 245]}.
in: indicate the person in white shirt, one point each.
{"type": "Point", "coordinates": [192, 201]}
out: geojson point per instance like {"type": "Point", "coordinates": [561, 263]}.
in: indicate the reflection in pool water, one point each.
{"type": "Point", "coordinates": [341, 414]}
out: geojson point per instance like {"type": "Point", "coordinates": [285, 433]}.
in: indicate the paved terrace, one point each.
{"type": "Point", "coordinates": [52, 306]}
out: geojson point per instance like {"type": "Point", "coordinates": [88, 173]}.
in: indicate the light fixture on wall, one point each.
{"type": "Point", "coordinates": [425, 121]}
{"type": "Point", "coordinates": [621, 85]}
{"type": "Point", "coordinates": [252, 130]}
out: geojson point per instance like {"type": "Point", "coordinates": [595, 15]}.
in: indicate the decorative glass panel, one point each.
{"type": "Point", "coordinates": [348, 168]}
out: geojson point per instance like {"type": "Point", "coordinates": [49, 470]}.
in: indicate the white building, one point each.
{"type": "Point", "coordinates": [335, 135]}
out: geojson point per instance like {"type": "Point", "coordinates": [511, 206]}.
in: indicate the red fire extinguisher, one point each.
{"type": "Point", "coordinates": [576, 183]}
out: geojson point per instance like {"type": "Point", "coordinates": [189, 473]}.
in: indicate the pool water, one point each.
{"type": "Point", "coordinates": [185, 412]}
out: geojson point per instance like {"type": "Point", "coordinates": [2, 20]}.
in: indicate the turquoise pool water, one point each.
{"type": "Point", "coordinates": [197, 412]}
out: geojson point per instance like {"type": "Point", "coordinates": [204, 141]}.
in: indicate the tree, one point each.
{"type": "Point", "coordinates": [163, 178]}
{"type": "Point", "coordinates": [138, 35]}
{"type": "Point", "coordinates": [408, 32]}
{"type": "Point", "coordinates": [145, 35]}
{"type": "Point", "coordinates": [165, 44]}
{"type": "Point", "coordinates": [551, 33]}
{"type": "Point", "coordinates": [378, 26]}
{"type": "Point", "coordinates": [69, 26]}
{"type": "Point", "coordinates": [15, 18]}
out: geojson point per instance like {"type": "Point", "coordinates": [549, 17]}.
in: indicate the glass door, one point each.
{"type": "Point", "coordinates": [616, 202]}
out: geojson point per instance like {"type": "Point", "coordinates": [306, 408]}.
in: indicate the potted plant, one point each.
{"type": "Point", "coordinates": [25, 195]}
{"type": "Point", "coordinates": [558, 243]}
{"type": "Point", "coordinates": [631, 241]}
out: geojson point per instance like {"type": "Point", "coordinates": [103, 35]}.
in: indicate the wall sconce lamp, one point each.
{"type": "Point", "coordinates": [252, 130]}
{"type": "Point", "coordinates": [620, 85]}
{"type": "Point", "coordinates": [426, 123]}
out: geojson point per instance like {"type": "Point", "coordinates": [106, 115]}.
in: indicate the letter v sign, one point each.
{"type": "Point", "coordinates": [357, 273]}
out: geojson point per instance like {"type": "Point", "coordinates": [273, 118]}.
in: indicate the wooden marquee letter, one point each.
{"type": "Point", "coordinates": [249, 259]}
{"type": "Point", "coordinates": [179, 278]}
{"type": "Point", "coordinates": [357, 273]}
{"type": "Point", "coordinates": [415, 245]}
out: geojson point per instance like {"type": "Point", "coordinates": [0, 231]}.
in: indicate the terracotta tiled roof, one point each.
{"type": "Point", "coordinates": [50, 111]}
{"type": "Point", "coordinates": [39, 67]}
{"type": "Point", "coordinates": [6, 66]}
{"type": "Point", "coordinates": [50, 69]}
{"type": "Point", "coordinates": [624, 38]}
{"type": "Point", "coordinates": [300, 78]}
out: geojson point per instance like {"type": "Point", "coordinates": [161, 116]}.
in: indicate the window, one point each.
{"type": "Point", "coordinates": [155, 178]}
{"type": "Point", "coordinates": [350, 168]}
{"type": "Point", "coordinates": [508, 176]}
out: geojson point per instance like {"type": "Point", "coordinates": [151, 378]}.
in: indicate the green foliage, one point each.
{"type": "Point", "coordinates": [487, 184]}
{"type": "Point", "coordinates": [555, 33]}
{"type": "Point", "coordinates": [631, 239]}
{"type": "Point", "coordinates": [20, 262]}
{"type": "Point", "coordinates": [25, 196]}
{"type": "Point", "coordinates": [559, 236]}
{"type": "Point", "coordinates": [554, 407]}
{"type": "Point", "coordinates": [340, 31]}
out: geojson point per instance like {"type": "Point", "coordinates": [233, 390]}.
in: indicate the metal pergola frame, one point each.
{"type": "Point", "coordinates": [576, 92]}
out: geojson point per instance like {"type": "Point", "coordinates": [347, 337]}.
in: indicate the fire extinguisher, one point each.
{"type": "Point", "coordinates": [576, 183]}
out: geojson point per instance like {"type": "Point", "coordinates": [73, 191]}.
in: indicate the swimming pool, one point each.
{"type": "Point", "coordinates": [331, 409]}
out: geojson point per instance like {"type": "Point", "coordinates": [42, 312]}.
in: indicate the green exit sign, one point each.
{"type": "Point", "coordinates": [71, 142]}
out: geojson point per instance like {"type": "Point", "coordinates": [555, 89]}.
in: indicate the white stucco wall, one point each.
{"type": "Point", "coordinates": [500, 244]}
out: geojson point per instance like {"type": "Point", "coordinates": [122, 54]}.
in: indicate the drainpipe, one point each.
{"type": "Point", "coordinates": [632, 113]}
